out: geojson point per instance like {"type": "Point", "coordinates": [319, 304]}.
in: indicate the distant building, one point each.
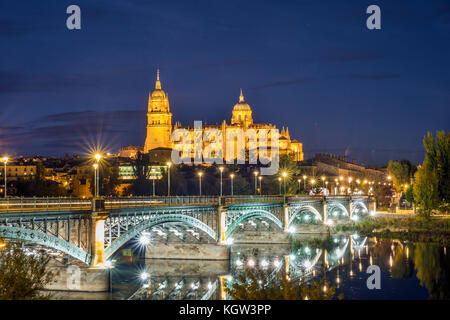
{"type": "Point", "coordinates": [159, 126]}
{"type": "Point", "coordinates": [335, 166]}
{"type": "Point", "coordinates": [16, 171]}
{"type": "Point", "coordinates": [130, 152]}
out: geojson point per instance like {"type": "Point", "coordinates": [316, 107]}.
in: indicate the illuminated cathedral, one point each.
{"type": "Point", "coordinates": [159, 125]}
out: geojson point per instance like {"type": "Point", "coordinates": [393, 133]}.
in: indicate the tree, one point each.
{"type": "Point", "coordinates": [109, 180]}
{"type": "Point", "coordinates": [38, 186]}
{"type": "Point", "coordinates": [437, 157]}
{"type": "Point", "coordinates": [23, 276]}
{"type": "Point", "coordinates": [256, 285]}
{"type": "Point", "coordinates": [141, 186]}
{"type": "Point", "coordinates": [383, 195]}
{"type": "Point", "coordinates": [288, 165]}
{"type": "Point", "coordinates": [426, 190]}
{"type": "Point", "coordinates": [401, 172]}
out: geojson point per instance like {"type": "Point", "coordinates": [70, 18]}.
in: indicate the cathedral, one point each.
{"type": "Point", "coordinates": [159, 125]}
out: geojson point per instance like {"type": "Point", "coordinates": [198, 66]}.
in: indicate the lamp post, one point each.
{"type": "Point", "coordinates": [200, 174]}
{"type": "Point", "coordinates": [97, 156]}
{"type": "Point", "coordinates": [312, 183]}
{"type": "Point", "coordinates": [304, 182]}
{"type": "Point", "coordinates": [255, 173]}
{"type": "Point", "coordinates": [169, 164]}
{"type": "Point", "coordinates": [95, 179]}
{"type": "Point", "coordinates": [232, 177]}
{"type": "Point", "coordinates": [284, 181]}
{"type": "Point", "coordinates": [279, 179]}
{"type": "Point", "coordinates": [5, 161]}
{"type": "Point", "coordinates": [299, 180]}
{"type": "Point", "coordinates": [323, 181]}
{"type": "Point", "coordinates": [260, 187]}
{"type": "Point", "coordinates": [221, 172]}
{"type": "Point", "coordinates": [153, 180]}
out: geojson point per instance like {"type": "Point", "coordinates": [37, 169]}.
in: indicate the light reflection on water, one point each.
{"type": "Point", "coordinates": [408, 270]}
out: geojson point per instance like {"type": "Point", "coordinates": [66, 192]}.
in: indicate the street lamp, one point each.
{"type": "Point", "coordinates": [279, 179]}
{"type": "Point", "coordinates": [200, 174]}
{"type": "Point", "coordinates": [260, 187]}
{"type": "Point", "coordinates": [221, 172]}
{"type": "Point", "coordinates": [284, 181]}
{"type": "Point", "coordinates": [232, 177]}
{"type": "Point", "coordinates": [323, 181]}
{"type": "Point", "coordinates": [97, 157]}
{"type": "Point", "coordinates": [169, 164]}
{"type": "Point", "coordinates": [299, 180]}
{"type": "Point", "coordinates": [255, 173]}
{"type": "Point", "coordinates": [313, 181]}
{"type": "Point", "coordinates": [5, 161]}
{"type": "Point", "coordinates": [304, 182]}
{"type": "Point", "coordinates": [95, 180]}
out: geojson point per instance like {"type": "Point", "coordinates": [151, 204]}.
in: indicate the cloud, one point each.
{"type": "Point", "coordinates": [349, 57]}
{"type": "Point", "coordinates": [282, 83]}
{"type": "Point", "coordinates": [77, 131]}
{"type": "Point", "coordinates": [11, 82]}
{"type": "Point", "coordinates": [374, 76]}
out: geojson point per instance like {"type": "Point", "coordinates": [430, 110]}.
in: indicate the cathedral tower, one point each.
{"type": "Point", "coordinates": [159, 119]}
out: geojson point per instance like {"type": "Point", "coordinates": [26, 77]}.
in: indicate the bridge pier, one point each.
{"type": "Point", "coordinates": [350, 208]}
{"type": "Point", "coordinates": [221, 224]}
{"type": "Point", "coordinates": [286, 217]}
{"type": "Point", "coordinates": [97, 233]}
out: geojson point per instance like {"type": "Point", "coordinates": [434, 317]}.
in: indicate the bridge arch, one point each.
{"type": "Point", "coordinates": [46, 240]}
{"type": "Point", "coordinates": [334, 206]}
{"type": "Point", "coordinates": [357, 206]}
{"type": "Point", "coordinates": [147, 224]}
{"type": "Point", "coordinates": [295, 211]}
{"type": "Point", "coordinates": [250, 214]}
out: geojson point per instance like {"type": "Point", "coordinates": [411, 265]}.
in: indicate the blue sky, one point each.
{"type": "Point", "coordinates": [309, 65]}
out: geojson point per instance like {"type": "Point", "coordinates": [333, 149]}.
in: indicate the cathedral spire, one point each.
{"type": "Point", "coordinates": [158, 83]}
{"type": "Point", "coordinates": [241, 97]}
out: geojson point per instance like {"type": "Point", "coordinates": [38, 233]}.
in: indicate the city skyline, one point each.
{"type": "Point", "coordinates": [339, 87]}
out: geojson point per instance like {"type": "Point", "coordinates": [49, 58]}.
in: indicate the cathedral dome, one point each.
{"type": "Point", "coordinates": [242, 114]}
{"type": "Point", "coordinates": [241, 105]}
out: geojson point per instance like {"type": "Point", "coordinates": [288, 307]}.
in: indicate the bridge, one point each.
{"type": "Point", "coordinates": [94, 230]}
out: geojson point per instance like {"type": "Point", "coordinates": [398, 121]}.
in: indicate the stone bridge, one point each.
{"type": "Point", "coordinates": [93, 230]}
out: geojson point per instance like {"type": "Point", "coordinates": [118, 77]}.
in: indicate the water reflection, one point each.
{"type": "Point", "coordinates": [409, 271]}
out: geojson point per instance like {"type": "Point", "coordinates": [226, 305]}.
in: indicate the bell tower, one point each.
{"type": "Point", "coordinates": [159, 119]}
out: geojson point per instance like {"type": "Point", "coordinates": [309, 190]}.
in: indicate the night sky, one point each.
{"type": "Point", "coordinates": [310, 65]}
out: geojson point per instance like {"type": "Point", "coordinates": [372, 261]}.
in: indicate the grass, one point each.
{"type": "Point", "coordinates": [434, 229]}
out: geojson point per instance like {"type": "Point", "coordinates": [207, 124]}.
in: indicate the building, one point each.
{"type": "Point", "coordinates": [16, 171]}
{"type": "Point", "coordinates": [335, 166]}
{"type": "Point", "coordinates": [130, 152]}
{"type": "Point", "coordinates": [159, 127]}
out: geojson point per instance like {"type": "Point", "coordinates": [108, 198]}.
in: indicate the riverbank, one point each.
{"type": "Point", "coordinates": [433, 230]}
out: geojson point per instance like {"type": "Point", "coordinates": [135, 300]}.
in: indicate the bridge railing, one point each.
{"type": "Point", "coordinates": [113, 203]}
{"type": "Point", "coordinates": [44, 204]}
{"type": "Point", "coordinates": [68, 204]}
{"type": "Point", "coordinates": [250, 199]}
